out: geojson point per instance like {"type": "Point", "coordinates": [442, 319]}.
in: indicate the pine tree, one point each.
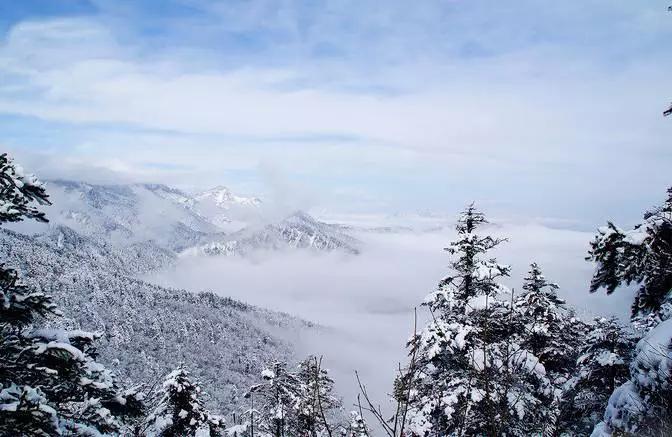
{"type": "Point", "coordinates": [602, 365]}
{"type": "Point", "coordinates": [643, 404]}
{"type": "Point", "coordinates": [50, 381]}
{"type": "Point", "coordinates": [180, 411]}
{"type": "Point", "coordinates": [549, 330]}
{"type": "Point", "coordinates": [18, 193]}
{"type": "Point", "coordinates": [473, 377]}
{"type": "Point", "coordinates": [545, 320]}
{"type": "Point", "coordinates": [642, 256]}
{"type": "Point", "coordinates": [317, 402]}
{"type": "Point", "coordinates": [278, 399]}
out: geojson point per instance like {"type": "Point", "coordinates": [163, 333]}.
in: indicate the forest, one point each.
{"type": "Point", "coordinates": [491, 361]}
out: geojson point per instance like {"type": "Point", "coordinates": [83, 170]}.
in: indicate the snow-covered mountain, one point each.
{"type": "Point", "coordinates": [102, 237]}
{"type": "Point", "coordinates": [128, 214]}
{"type": "Point", "coordinates": [156, 217]}
{"type": "Point", "coordinates": [225, 199]}
{"type": "Point", "coordinates": [226, 210]}
{"type": "Point", "coordinates": [149, 330]}
{"type": "Point", "coordinates": [298, 231]}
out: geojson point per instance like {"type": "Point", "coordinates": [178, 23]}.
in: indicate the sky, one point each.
{"type": "Point", "coordinates": [532, 109]}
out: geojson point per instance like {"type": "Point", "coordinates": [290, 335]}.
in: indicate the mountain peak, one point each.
{"type": "Point", "coordinates": [224, 197]}
{"type": "Point", "coordinates": [300, 217]}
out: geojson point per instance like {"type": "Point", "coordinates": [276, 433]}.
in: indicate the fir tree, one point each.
{"type": "Point", "coordinates": [473, 377]}
{"type": "Point", "coordinates": [545, 319]}
{"type": "Point", "coordinates": [180, 411]}
{"type": "Point", "coordinates": [602, 365]}
{"type": "Point", "coordinates": [50, 381]}
{"type": "Point", "coordinates": [317, 402]}
{"type": "Point", "coordinates": [643, 404]}
{"type": "Point", "coordinates": [642, 256]}
{"type": "Point", "coordinates": [19, 192]}
{"type": "Point", "coordinates": [548, 329]}
{"type": "Point", "coordinates": [278, 399]}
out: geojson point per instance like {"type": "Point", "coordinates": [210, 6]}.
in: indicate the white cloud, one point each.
{"type": "Point", "coordinates": [551, 113]}
{"type": "Point", "coordinates": [471, 111]}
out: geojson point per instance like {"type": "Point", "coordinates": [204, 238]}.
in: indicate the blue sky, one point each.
{"type": "Point", "coordinates": [536, 109]}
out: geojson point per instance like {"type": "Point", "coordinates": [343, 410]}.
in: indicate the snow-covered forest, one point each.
{"type": "Point", "coordinates": [334, 218]}
{"type": "Point", "coordinates": [89, 349]}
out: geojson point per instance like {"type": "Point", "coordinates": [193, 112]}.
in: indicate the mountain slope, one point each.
{"type": "Point", "coordinates": [123, 214]}
{"type": "Point", "coordinates": [148, 329]}
{"type": "Point", "coordinates": [298, 231]}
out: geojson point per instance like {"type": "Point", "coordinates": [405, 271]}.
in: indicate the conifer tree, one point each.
{"type": "Point", "coordinates": [180, 411]}
{"type": "Point", "coordinates": [602, 365]}
{"type": "Point", "coordinates": [642, 256]}
{"type": "Point", "coordinates": [50, 382]}
{"type": "Point", "coordinates": [317, 402]}
{"type": "Point", "coordinates": [550, 330]}
{"type": "Point", "coordinates": [278, 399]}
{"type": "Point", "coordinates": [473, 377]}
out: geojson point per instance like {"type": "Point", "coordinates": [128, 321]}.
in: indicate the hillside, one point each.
{"type": "Point", "coordinates": [148, 329]}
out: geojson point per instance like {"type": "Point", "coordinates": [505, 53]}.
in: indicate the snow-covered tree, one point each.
{"type": "Point", "coordinates": [473, 376]}
{"type": "Point", "coordinates": [50, 381]}
{"type": "Point", "coordinates": [602, 365]}
{"type": "Point", "coordinates": [298, 403]}
{"type": "Point", "coordinates": [357, 426]}
{"type": "Point", "coordinates": [278, 400]}
{"type": "Point", "coordinates": [180, 411]}
{"type": "Point", "coordinates": [549, 331]}
{"type": "Point", "coordinates": [642, 256]}
{"type": "Point", "coordinates": [643, 404]}
{"type": "Point", "coordinates": [19, 192]}
{"type": "Point", "coordinates": [317, 403]}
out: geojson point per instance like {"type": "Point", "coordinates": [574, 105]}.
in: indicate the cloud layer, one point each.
{"type": "Point", "coordinates": [366, 302]}
{"type": "Point", "coordinates": [394, 107]}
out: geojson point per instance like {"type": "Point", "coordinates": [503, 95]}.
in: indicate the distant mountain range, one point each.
{"type": "Point", "coordinates": [214, 222]}
{"type": "Point", "coordinates": [298, 231]}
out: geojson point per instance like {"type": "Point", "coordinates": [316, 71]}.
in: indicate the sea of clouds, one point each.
{"type": "Point", "coordinates": [365, 303]}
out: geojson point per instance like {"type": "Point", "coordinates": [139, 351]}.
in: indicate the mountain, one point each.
{"type": "Point", "coordinates": [166, 221]}
{"type": "Point", "coordinates": [148, 330]}
{"type": "Point", "coordinates": [298, 231]}
{"type": "Point", "coordinates": [128, 214]}
{"type": "Point", "coordinates": [225, 199]}
{"type": "Point", "coordinates": [226, 210]}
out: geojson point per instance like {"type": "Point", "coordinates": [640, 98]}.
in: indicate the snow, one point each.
{"type": "Point", "coordinates": [223, 197]}
{"type": "Point", "coordinates": [650, 370]}
{"type": "Point", "coordinates": [64, 336]}
{"type": "Point", "coordinates": [636, 236]}
{"type": "Point", "coordinates": [203, 431]}
{"type": "Point", "coordinates": [653, 358]}
{"type": "Point", "coordinates": [479, 302]}
{"type": "Point", "coordinates": [237, 430]}
{"type": "Point", "coordinates": [75, 353]}
{"type": "Point", "coordinates": [267, 374]}
{"type": "Point", "coordinates": [624, 404]}
{"type": "Point", "coordinates": [608, 358]}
